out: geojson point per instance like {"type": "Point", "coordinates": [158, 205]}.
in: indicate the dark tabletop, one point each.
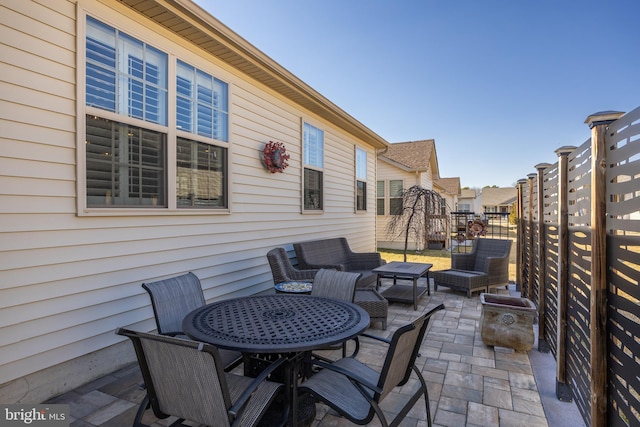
{"type": "Point", "coordinates": [410, 269]}
{"type": "Point", "coordinates": [280, 323]}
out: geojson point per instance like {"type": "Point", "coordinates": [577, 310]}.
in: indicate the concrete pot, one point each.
{"type": "Point", "coordinates": [507, 321]}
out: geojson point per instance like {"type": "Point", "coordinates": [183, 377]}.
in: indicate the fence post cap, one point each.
{"type": "Point", "coordinates": [532, 175]}
{"type": "Point", "coordinates": [565, 149]}
{"type": "Point", "coordinates": [603, 118]}
{"type": "Point", "coordinates": [542, 165]}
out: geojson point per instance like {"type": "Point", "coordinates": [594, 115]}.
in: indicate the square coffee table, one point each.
{"type": "Point", "coordinates": [407, 271]}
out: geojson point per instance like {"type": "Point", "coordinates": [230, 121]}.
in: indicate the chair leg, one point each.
{"type": "Point", "coordinates": [144, 405]}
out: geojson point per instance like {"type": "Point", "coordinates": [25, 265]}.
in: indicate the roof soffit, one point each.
{"type": "Point", "coordinates": [194, 24]}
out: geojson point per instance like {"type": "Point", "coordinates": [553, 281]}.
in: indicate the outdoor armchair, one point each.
{"type": "Point", "coordinates": [283, 271]}
{"type": "Point", "coordinates": [355, 390]}
{"type": "Point", "coordinates": [186, 379]}
{"type": "Point", "coordinates": [172, 299]}
{"type": "Point", "coordinates": [485, 267]}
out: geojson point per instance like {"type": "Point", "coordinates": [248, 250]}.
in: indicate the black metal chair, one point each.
{"type": "Point", "coordinates": [354, 390]}
{"type": "Point", "coordinates": [186, 379]}
{"type": "Point", "coordinates": [283, 271]}
{"type": "Point", "coordinates": [172, 299]}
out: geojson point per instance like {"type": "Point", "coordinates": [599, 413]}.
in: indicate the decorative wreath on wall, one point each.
{"type": "Point", "coordinates": [476, 228]}
{"type": "Point", "coordinates": [275, 156]}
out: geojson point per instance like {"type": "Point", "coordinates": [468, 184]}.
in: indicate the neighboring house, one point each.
{"type": "Point", "coordinates": [449, 188]}
{"type": "Point", "coordinates": [402, 165]}
{"type": "Point", "coordinates": [469, 201]}
{"type": "Point", "coordinates": [131, 150]}
{"type": "Point", "coordinates": [498, 200]}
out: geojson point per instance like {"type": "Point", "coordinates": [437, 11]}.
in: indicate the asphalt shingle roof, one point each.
{"type": "Point", "coordinates": [415, 155]}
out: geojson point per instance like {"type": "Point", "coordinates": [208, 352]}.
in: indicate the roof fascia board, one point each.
{"type": "Point", "coordinates": [242, 50]}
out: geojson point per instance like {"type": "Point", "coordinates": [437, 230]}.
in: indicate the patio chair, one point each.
{"type": "Point", "coordinates": [186, 379]}
{"type": "Point", "coordinates": [283, 271]}
{"type": "Point", "coordinates": [355, 390]}
{"type": "Point", "coordinates": [172, 299]}
{"type": "Point", "coordinates": [485, 267]}
{"type": "Point", "coordinates": [335, 284]}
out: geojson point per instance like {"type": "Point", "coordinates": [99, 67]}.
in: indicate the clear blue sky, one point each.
{"type": "Point", "coordinates": [499, 84]}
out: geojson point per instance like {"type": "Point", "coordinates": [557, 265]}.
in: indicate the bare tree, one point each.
{"type": "Point", "coordinates": [424, 212]}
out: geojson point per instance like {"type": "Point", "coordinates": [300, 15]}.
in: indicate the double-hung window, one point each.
{"type": "Point", "coordinates": [380, 195]}
{"type": "Point", "coordinates": [125, 157]}
{"type": "Point", "coordinates": [313, 160]}
{"type": "Point", "coordinates": [202, 119]}
{"type": "Point", "coordinates": [361, 179]}
{"type": "Point", "coordinates": [395, 197]}
{"type": "Point", "coordinates": [127, 136]}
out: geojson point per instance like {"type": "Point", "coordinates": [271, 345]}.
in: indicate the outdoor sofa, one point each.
{"type": "Point", "coordinates": [335, 253]}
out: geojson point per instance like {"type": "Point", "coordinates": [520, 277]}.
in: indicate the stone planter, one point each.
{"type": "Point", "coordinates": [507, 321]}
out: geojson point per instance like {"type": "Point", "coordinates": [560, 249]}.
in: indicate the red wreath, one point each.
{"type": "Point", "coordinates": [275, 156]}
{"type": "Point", "coordinates": [476, 228]}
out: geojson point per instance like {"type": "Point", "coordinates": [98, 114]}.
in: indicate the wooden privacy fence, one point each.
{"type": "Point", "coordinates": [579, 262]}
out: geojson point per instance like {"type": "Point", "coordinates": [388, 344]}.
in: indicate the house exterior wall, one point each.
{"type": "Point", "coordinates": [69, 280]}
{"type": "Point", "coordinates": [387, 172]}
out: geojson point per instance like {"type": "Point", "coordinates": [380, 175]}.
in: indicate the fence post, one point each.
{"type": "Point", "coordinates": [543, 347]}
{"type": "Point", "coordinates": [530, 240]}
{"type": "Point", "coordinates": [598, 124]}
{"type": "Point", "coordinates": [520, 237]}
{"type": "Point", "coordinates": [563, 392]}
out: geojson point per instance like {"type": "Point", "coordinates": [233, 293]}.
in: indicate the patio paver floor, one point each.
{"type": "Point", "coordinates": [470, 384]}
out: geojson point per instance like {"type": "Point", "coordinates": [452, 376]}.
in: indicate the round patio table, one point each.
{"type": "Point", "coordinates": [285, 324]}
{"type": "Point", "coordinates": [281, 323]}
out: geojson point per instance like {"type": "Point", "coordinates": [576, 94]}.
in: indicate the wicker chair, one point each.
{"type": "Point", "coordinates": [354, 390]}
{"type": "Point", "coordinates": [172, 299]}
{"type": "Point", "coordinates": [185, 379]}
{"type": "Point", "coordinates": [283, 271]}
{"type": "Point", "coordinates": [485, 267]}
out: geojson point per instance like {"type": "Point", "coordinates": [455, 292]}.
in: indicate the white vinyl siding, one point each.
{"type": "Point", "coordinates": [67, 280]}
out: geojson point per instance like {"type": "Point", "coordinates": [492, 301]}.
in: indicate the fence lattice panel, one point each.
{"type": "Point", "coordinates": [623, 260]}
{"type": "Point", "coordinates": [526, 244]}
{"type": "Point", "coordinates": [578, 318]}
{"type": "Point", "coordinates": [550, 275]}
{"type": "Point", "coordinates": [534, 288]}
{"type": "Point", "coordinates": [579, 266]}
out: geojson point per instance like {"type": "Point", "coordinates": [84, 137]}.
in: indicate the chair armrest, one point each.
{"type": "Point", "coordinates": [237, 407]}
{"type": "Point", "coordinates": [303, 275]}
{"type": "Point", "coordinates": [498, 269]}
{"type": "Point", "coordinates": [354, 378]}
{"type": "Point", "coordinates": [364, 260]}
{"type": "Point", "coordinates": [339, 267]}
{"type": "Point", "coordinates": [375, 337]}
{"type": "Point", "coordinates": [463, 261]}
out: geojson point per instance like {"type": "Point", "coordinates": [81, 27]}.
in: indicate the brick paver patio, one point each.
{"type": "Point", "coordinates": [470, 384]}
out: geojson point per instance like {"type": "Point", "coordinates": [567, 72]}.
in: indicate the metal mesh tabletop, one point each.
{"type": "Point", "coordinates": [276, 323]}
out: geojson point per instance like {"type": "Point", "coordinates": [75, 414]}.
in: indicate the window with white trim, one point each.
{"type": "Point", "coordinates": [127, 127]}
{"type": "Point", "coordinates": [313, 161]}
{"type": "Point", "coordinates": [395, 196]}
{"type": "Point", "coordinates": [361, 179]}
{"type": "Point", "coordinates": [380, 196]}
